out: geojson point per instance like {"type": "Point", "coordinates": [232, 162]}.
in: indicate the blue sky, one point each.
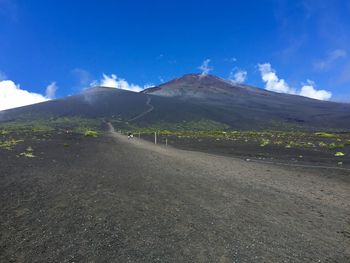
{"type": "Point", "coordinates": [73, 43]}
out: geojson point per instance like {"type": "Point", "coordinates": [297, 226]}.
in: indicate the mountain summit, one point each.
{"type": "Point", "coordinates": [198, 85]}
{"type": "Point", "coordinates": [213, 87]}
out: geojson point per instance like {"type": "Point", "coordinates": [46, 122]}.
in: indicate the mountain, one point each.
{"type": "Point", "coordinates": [243, 106]}
{"type": "Point", "coordinates": [201, 86]}
{"type": "Point", "coordinates": [194, 99]}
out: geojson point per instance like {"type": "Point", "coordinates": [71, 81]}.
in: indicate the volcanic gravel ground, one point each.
{"type": "Point", "coordinates": [252, 150]}
{"type": "Point", "coordinates": [109, 199]}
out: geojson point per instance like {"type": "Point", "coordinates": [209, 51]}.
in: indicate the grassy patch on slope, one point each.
{"type": "Point", "coordinates": [60, 124]}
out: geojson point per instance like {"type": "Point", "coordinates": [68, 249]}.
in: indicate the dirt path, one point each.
{"type": "Point", "coordinates": [150, 108]}
{"type": "Point", "coordinates": [111, 199]}
{"type": "Point", "coordinates": [297, 208]}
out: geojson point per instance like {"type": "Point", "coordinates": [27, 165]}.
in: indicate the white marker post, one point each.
{"type": "Point", "coordinates": [166, 141]}
{"type": "Point", "coordinates": [155, 137]}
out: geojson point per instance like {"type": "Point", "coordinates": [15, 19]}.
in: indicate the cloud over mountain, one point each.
{"type": "Point", "coordinates": [51, 89]}
{"type": "Point", "coordinates": [112, 81]}
{"type": "Point", "coordinates": [238, 76]}
{"type": "Point", "coordinates": [274, 83]}
{"type": "Point", "coordinates": [308, 90]}
{"type": "Point", "coordinates": [12, 96]}
{"type": "Point", "coordinates": [205, 68]}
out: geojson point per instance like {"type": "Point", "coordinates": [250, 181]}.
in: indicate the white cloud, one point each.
{"type": "Point", "coordinates": [238, 76]}
{"type": "Point", "coordinates": [148, 85]}
{"type": "Point", "coordinates": [12, 96]}
{"type": "Point", "coordinates": [308, 90]}
{"type": "Point", "coordinates": [109, 81]}
{"type": "Point", "coordinates": [273, 83]}
{"type": "Point", "coordinates": [50, 92]}
{"type": "Point", "coordinates": [205, 67]}
{"type": "Point", "coordinates": [330, 59]}
{"type": "Point", "coordinates": [112, 81]}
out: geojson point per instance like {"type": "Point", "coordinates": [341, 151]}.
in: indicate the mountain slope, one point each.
{"type": "Point", "coordinates": [244, 106]}
{"type": "Point", "coordinates": [192, 99]}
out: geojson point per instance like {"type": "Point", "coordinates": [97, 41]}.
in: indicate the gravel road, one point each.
{"type": "Point", "coordinates": [111, 199]}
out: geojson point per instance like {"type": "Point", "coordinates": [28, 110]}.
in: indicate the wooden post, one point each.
{"type": "Point", "coordinates": [155, 137]}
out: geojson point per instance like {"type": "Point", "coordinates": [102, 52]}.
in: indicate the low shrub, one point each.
{"type": "Point", "coordinates": [3, 132]}
{"type": "Point", "coordinates": [9, 144]}
{"type": "Point", "coordinates": [264, 142]}
{"type": "Point", "coordinates": [335, 146]}
{"type": "Point", "coordinates": [28, 153]}
{"type": "Point", "coordinates": [325, 135]}
{"type": "Point", "coordinates": [322, 144]}
{"type": "Point", "coordinates": [90, 133]}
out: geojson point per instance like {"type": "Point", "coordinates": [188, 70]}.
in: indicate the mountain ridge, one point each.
{"type": "Point", "coordinates": [195, 98]}
{"type": "Point", "coordinates": [228, 85]}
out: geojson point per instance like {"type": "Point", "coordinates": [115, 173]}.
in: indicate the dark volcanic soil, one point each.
{"type": "Point", "coordinates": [253, 151]}
{"type": "Point", "coordinates": [108, 199]}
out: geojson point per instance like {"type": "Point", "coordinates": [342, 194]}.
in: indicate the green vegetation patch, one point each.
{"type": "Point", "coordinates": [264, 142]}
{"type": "Point", "coordinates": [3, 132]}
{"type": "Point", "coordinates": [26, 126]}
{"type": "Point", "coordinates": [323, 144]}
{"type": "Point", "coordinates": [28, 153]}
{"type": "Point", "coordinates": [339, 154]}
{"type": "Point", "coordinates": [9, 144]}
{"type": "Point", "coordinates": [47, 125]}
{"type": "Point", "coordinates": [335, 146]}
{"type": "Point", "coordinates": [90, 133]}
{"type": "Point", "coordinates": [325, 135]}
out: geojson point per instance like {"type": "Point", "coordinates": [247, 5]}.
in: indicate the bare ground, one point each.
{"type": "Point", "coordinates": [109, 199]}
